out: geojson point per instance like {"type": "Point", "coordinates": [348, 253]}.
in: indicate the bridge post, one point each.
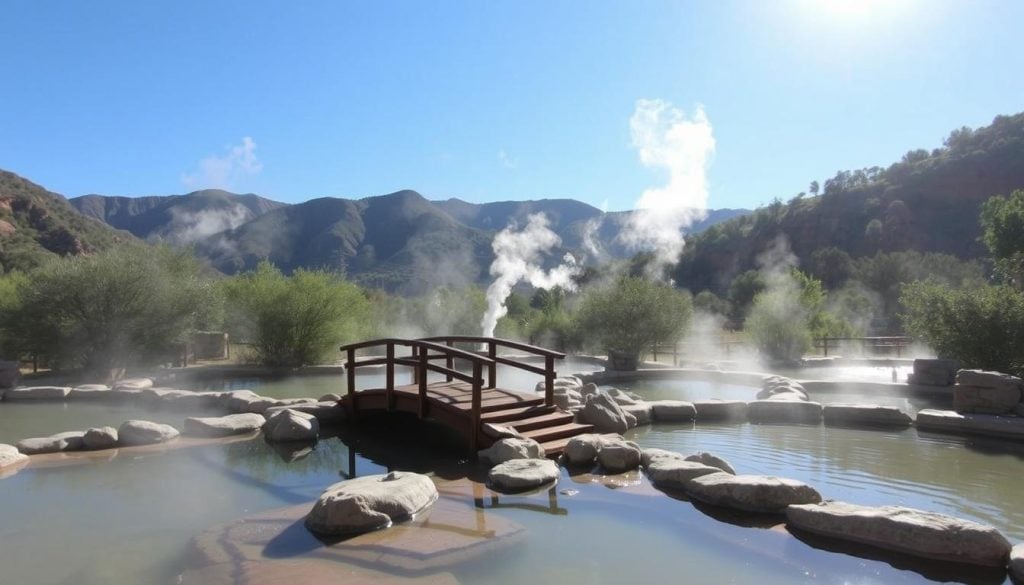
{"type": "Point", "coordinates": [492, 368]}
{"type": "Point", "coordinates": [390, 376]}
{"type": "Point", "coordinates": [549, 380]}
{"type": "Point", "coordinates": [421, 379]}
{"type": "Point", "coordinates": [475, 423]}
{"type": "Point", "coordinates": [350, 373]}
{"type": "Point", "coordinates": [449, 361]}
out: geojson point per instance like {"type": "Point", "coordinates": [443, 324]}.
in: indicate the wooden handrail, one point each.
{"type": "Point", "coordinates": [499, 341]}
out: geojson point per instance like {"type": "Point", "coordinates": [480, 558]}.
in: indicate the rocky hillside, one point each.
{"type": "Point", "coordinates": [36, 224]}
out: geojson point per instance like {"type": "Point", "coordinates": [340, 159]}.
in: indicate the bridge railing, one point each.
{"type": "Point", "coordinates": [492, 344]}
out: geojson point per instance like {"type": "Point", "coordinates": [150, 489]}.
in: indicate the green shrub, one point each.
{"type": "Point", "coordinates": [982, 327]}
{"type": "Point", "coordinates": [125, 307]}
{"type": "Point", "coordinates": [778, 326]}
{"type": "Point", "coordinates": [295, 320]}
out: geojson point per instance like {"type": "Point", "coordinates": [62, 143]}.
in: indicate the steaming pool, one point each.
{"type": "Point", "coordinates": [133, 519]}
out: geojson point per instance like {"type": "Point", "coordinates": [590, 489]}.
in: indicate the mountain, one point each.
{"type": "Point", "coordinates": [929, 201]}
{"type": "Point", "coordinates": [176, 219]}
{"type": "Point", "coordinates": [36, 224]}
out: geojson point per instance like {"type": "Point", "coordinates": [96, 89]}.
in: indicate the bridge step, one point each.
{"type": "Point", "coordinates": [514, 414]}
{"type": "Point", "coordinates": [553, 419]}
{"type": "Point", "coordinates": [569, 430]}
{"type": "Point", "coordinates": [504, 404]}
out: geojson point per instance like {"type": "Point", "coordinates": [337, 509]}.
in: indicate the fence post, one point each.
{"type": "Point", "coordinates": [492, 368]}
{"type": "Point", "coordinates": [350, 374]}
{"type": "Point", "coordinates": [549, 380]}
{"type": "Point", "coordinates": [449, 362]}
{"type": "Point", "coordinates": [825, 345]}
{"type": "Point", "coordinates": [390, 376]}
{"type": "Point", "coordinates": [477, 399]}
{"type": "Point", "coordinates": [421, 375]}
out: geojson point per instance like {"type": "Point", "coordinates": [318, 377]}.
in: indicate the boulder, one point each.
{"type": "Point", "coordinates": [649, 456]}
{"type": "Point", "coordinates": [370, 503]}
{"type": "Point", "coordinates": [327, 413]}
{"type": "Point", "coordinates": [781, 388]}
{"type": "Point", "coordinates": [158, 395]}
{"type": "Point", "coordinates": [987, 379]}
{"type": "Point", "coordinates": [69, 441]}
{"type": "Point", "coordinates": [238, 400]}
{"type": "Point", "coordinates": [582, 449]}
{"type": "Point", "coordinates": [567, 400]}
{"type": "Point", "coordinates": [933, 372]}
{"type": "Point", "coordinates": [9, 374]}
{"type": "Point", "coordinates": [971, 424]}
{"type": "Point", "coordinates": [905, 530]}
{"type": "Point", "coordinates": [144, 432]}
{"type": "Point", "coordinates": [865, 415]}
{"type": "Point", "coordinates": [98, 438]}
{"type": "Point", "coordinates": [619, 455]}
{"type": "Point", "coordinates": [512, 448]}
{"type": "Point", "coordinates": [90, 392]}
{"type": "Point", "coordinates": [676, 473]}
{"type": "Point", "coordinates": [291, 425]}
{"type": "Point", "coordinates": [751, 493]}
{"type": "Point", "coordinates": [9, 455]}
{"type": "Point", "coordinates": [1016, 564]}
{"type": "Point", "coordinates": [621, 397]}
{"type": "Point", "coordinates": [497, 431]}
{"type": "Point", "coordinates": [37, 393]}
{"type": "Point", "coordinates": [778, 411]}
{"type": "Point", "coordinates": [672, 411]}
{"type": "Point", "coordinates": [604, 413]}
{"type": "Point", "coordinates": [330, 397]}
{"type": "Point", "coordinates": [589, 390]}
{"type": "Point", "coordinates": [720, 410]}
{"type": "Point", "coordinates": [133, 384]}
{"type": "Point", "coordinates": [564, 382]}
{"type": "Point", "coordinates": [711, 461]}
{"type": "Point", "coordinates": [523, 474]}
{"type": "Point", "coordinates": [223, 426]}
{"type": "Point", "coordinates": [986, 400]}
{"type": "Point", "coordinates": [643, 412]}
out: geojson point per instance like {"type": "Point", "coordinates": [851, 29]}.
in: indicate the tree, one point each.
{"type": "Point", "coordinates": [814, 188]}
{"type": "Point", "coordinates": [742, 291]}
{"type": "Point", "coordinates": [632, 315]}
{"type": "Point", "coordinates": [831, 266]}
{"type": "Point", "coordinates": [1002, 224]}
{"type": "Point", "coordinates": [708, 302]}
{"type": "Point", "coordinates": [130, 306]}
{"type": "Point", "coordinates": [295, 320]}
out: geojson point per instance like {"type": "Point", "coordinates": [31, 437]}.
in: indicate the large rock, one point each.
{"type": "Point", "coordinates": [582, 449]}
{"type": "Point", "coordinates": [672, 411]}
{"type": "Point", "coordinates": [971, 424]}
{"type": "Point", "coordinates": [9, 455]}
{"type": "Point", "coordinates": [512, 448]}
{"type": "Point", "coordinates": [778, 411]}
{"type": "Point", "coordinates": [144, 432]}
{"type": "Point", "coordinates": [677, 473]}
{"type": "Point", "coordinates": [621, 397]}
{"type": "Point", "coordinates": [237, 401]}
{"type": "Point", "coordinates": [865, 415]}
{"type": "Point", "coordinates": [721, 410]}
{"type": "Point", "coordinates": [987, 379]}
{"type": "Point", "coordinates": [327, 412]}
{"type": "Point", "coordinates": [751, 493]}
{"type": "Point", "coordinates": [69, 441]}
{"type": "Point", "coordinates": [133, 384]}
{"type": "Point", "coordinates": [652, 454]}
{"type": "Point", "coordinates": [223, 426]}
{"type": "Point", "coordinates": [522, 474]}
{"type": "Point", "coordinates": [605, 414]}
{"type": "Point", "coordinates": [90, 392]}
{"type": "Point", "coordinates": [9, 374]}
{"type": "Point", "coordinates": [37, 393]}
{"type": "Point", "coordinates": [619, 455]}
{"type": "Point", "coordinates": [711, 460]}
{"type": "Point", "coordinates": [781, 388]}
{"type": "Point", "coordinates": [1016, 564]}
{"type": "Point", "coordinates": [370, 502]}
{"type": "Point", "coordinates": [906, 530]}
{"type": "Point", "coordinates": [291, 426]}
{"type": "Point", "coordinates": [934, 372]}
{"type": "Point", "coordinates": [642, 411]}
{"type": "Point", "coordinates": [100, 438]}
{"type": "Point", "coordinates": [984, 400]}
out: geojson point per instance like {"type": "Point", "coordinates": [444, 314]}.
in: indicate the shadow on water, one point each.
{"type": "Point", "coordinates": [935, 570]}
{"type": "Point", "coordinates": [738, 518]}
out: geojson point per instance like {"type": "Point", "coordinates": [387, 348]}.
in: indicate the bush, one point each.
{"type": "Point", "coordinates": [633, 315]}
{"type": "Point", "coordinates": [778, 326]}
{"type": "Point", "coordinates": [295, 320]}
{"type": "Point", "coordinates": [982, 327]}
{"type": "Point", "coordinates": [125, 307]}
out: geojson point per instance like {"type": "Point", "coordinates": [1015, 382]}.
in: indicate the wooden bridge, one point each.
{"type": "Point", "coordinates": [465, 399]}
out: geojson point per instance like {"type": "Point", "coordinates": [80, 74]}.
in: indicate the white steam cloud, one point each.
{"type": "Point", "coordinates": [666, 138]}
{"type": "Point", "coordinates": [188, 227]}
{"type": "Point", "coordinates": [517, 257]}
{"type": "Point", "coordinates": [225, 171]}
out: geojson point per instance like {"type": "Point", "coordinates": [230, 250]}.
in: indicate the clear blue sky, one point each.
{"type": "Point", "coordinates": [487, 100]}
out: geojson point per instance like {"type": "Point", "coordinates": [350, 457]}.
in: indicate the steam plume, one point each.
{"type": "Point", "coordinates": [517, 257]}
{"type": "Point", "coordinates": [665, 138]}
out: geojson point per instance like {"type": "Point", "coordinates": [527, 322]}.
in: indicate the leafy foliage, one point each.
{"type": "Point", "coordinates": [1002, 222]}
{"type": "Point", "coordinates": [632, 315]}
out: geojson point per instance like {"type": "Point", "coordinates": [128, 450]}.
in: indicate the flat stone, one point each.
{"type": "Point", "coordinates": [617, 456]}
{"type": "Point", "coordinates": [98, 438]}
{"type": "Point", "coordinates": [9, 455]}
{"type": "Point", "coordinates": [621, 397]}
{"type": "Point", "coordinates": [223, 426]}
{"type": "Point", "coordinates": [905, 530]}
{"type": "Point", "coordinates": [987, 379]}
{"type": "Point", "coordinates": [775, 411]}
{"type": "Point", "coordinates": [1016, 564]}
{"type": "Point", "coordinates": [986, 400]}
{"type": "Point", "coordinates": [90, 392]}
{"type": "Point", "coordinates": [865, 414]}
{"type": "Point", "coordinates": [971, 424]}
{"type": "Point", "coordinates": [677, 473]}
{"type": "Point", "coordinates": [326, 412]}
{"type": "Point", "coordinates": [69, 441]}
{"type": "Point", "coordinates": [133, 384]}
{"type": "Point", "coordinates": [711, 461]}
{"type": "Point", "coordinates": [781, 388]}
{"type": "Point", "coordinates": [649, 456]}
{"type": "Point", "coordinates": [290, 426]}
{"type": "Point", "coordinates": [672, 410]}
{"type": "Point", "coordinates": [934, 372]}
{"type": "Point", "coordinates": [582, 449]}
{"type": "Point", "coordinates": [604, 413]}
{"type": "Point", "coordinates": [371, 502]}
{"type": "Point", "coordinates": [643, 412]}
{"type": "Point", "coordinates": [37, 393]}
{"type": "Point", "coordinates": [144, 432]}
{"type": "Point", "coordinates": [523, 474]}
{"type": "Point", "coordinates": [720, 410]}
{"type": "Point", "coordinates": [239, 400]}
{"type": "Point", "coordinates": [751, 493]}
{"type": "Point", "coordinates": [511, 448]}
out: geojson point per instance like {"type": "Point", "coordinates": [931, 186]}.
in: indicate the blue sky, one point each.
{"type": "Point", "coordinates": [487, 100]}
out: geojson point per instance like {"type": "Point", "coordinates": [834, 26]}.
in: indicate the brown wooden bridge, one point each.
{"type": "Point", "coordinates": [466, 399]}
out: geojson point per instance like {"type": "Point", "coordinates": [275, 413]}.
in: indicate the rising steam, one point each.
{"type": "Point", "coordinates": [517, 257]}
{"type": "Point", "coordinates": [665, 138]}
